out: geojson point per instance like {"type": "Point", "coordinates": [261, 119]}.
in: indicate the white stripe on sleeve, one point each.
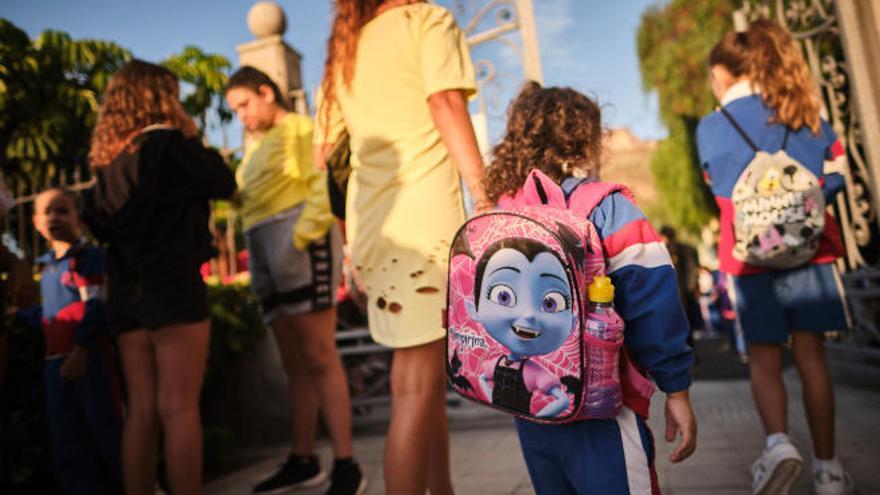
{"type": "Point", "coordinates": [89, 292]}
{"type": "Point", "coordinates": [648, 255]}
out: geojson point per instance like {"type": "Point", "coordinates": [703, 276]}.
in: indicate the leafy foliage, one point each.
{"type": "Point", "coordinates": [50, 90]}
{"type": "Point", "coordinates": [674, 40]}
{"type": "Point", "coordinates": [673, 43]}
{"type": "Point", "coordinates": [674, 167]}
{"type": "Point", "coordinates": [49, 93]}
{"type": "Point", "coordinates": [206, 74]}
{"type": "Point", "coordinates": [236, 324]}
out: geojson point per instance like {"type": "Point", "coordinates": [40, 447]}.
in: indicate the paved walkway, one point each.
{"type": "Point", "coordinates": [486, 459]}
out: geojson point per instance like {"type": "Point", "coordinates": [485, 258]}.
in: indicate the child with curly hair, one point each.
{"type": "Point", "coordinates": [558, 131]}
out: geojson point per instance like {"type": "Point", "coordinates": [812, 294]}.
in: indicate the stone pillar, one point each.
{"type": "Point", "coordinates": [860, 31]}
{"type": "Point", "coordinates": [270, 54]}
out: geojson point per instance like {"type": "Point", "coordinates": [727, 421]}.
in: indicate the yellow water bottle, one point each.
{"type": "Point", "coordinates": [601, 311]}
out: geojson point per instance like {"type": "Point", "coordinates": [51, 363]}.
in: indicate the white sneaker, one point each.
{"type": "Point", "coordinates": [776, 470]}
{"type": "Point", "coordinates": [827, 483]}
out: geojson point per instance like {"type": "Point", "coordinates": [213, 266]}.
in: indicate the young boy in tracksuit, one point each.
{"type": "Point", "coordinates": [82, 392]}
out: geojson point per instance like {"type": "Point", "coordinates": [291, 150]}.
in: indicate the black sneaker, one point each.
{"type": "Point", "coordinates": [296, 472]}
{"type": "Point", "coordinates": [346, 479]}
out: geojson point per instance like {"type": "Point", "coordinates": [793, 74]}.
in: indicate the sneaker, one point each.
{"type": "Point", "coordinates": [296, 472]}
{"type": "Point", "coordinates": [346, 479]}
{"type": "Point", "coordinates": [776, 470]}
{"type": "Point", "coordinates": [828, 483]}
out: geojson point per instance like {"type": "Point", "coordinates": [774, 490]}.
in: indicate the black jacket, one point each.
{"type": "Point", "coordinates": [151, 207]}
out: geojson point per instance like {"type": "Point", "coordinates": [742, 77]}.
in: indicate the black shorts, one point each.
{"type": "Point", "coordinates": [152, 304]}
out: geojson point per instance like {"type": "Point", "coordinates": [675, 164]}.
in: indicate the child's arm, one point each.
{"type": "Point", "coordinates": [88, 275]}
{"type": "Point", "coordinates": [205, 167]}
{"type": "Point", "coordinates": [449, 110]}
{"type": "Point", "coordinates": [646, 296]}
{"type": "Point", "coordinates": [680, 418]}
{"type": "Point", "coordinates": [835, 164]}
{"type": "Point", "coordinates": [646, 293]}
{"type": "Point", "coordinates": [299, 160]}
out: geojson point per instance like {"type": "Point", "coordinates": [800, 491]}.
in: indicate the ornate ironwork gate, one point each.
{"type": "Point", "coordinates": [819, 26]}
{"type": "Point", "coordinates": [503, 39]}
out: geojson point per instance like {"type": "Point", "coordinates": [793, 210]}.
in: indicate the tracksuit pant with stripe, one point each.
{"type": "Point", "coordinates": [593, 457]}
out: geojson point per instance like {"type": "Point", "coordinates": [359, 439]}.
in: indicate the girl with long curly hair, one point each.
{"type": "Point", "coordinates": [770, 105]}
{"type": "Point", "coordinates": [559, 132]}
{"type": "Point", "coordinates": [397, 78]}
{"type": "Point", "coordinates": [151, 206]}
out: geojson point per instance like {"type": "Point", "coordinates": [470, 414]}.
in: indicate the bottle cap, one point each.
{"type": "Point", "coordinates": [601, 290]}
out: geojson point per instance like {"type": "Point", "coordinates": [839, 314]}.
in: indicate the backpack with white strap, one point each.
{"type": "Point", "coordinates": [517, 338]}
{"type": "Point", "coordinates": [778, 206]}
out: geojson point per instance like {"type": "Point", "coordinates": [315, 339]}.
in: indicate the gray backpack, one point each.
{"type": "Point", "coordinates": [779, 209]}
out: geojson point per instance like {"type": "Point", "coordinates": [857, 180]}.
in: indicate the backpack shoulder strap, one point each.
{"type": "Point", "coordinates": [785, 139]}
{"type": "Point", "coordinates": [740, 129]}
{"type": "Point", "coordinates": [587, 196]}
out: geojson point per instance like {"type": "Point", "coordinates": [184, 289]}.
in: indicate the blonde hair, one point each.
{"type": "Point", "coordinates": [140, 94]}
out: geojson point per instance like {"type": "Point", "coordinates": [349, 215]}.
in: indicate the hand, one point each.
{"type": "Point", "coordinates": [353, 271]}
{"type": "Point", "coordinates": [75, 364]}
{"type": "Point", "coordinates": [319, 155]}
{"type": "Point", "coordinates": [680, 418]}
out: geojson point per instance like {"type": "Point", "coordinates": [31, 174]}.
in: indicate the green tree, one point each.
{"type": "Point", "coordinates": [205, 73]}
{"type": "Point", "coordinates": [49, 92]}
{"type": "Point", "coordinates": [674, 40]}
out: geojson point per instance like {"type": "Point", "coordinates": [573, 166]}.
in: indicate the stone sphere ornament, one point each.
{"type": "Point", "coordinates": [266, 19]}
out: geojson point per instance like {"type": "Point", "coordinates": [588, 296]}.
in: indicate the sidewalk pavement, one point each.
{"type": "Point", "coordinates": [486, 459]}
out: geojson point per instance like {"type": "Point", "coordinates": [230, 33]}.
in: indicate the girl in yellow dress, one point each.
{"type": "Point", "coordinates": [397, 78]}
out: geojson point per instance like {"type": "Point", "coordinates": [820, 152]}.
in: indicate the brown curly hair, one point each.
{"type": "Point", "coordinates": [555, 130]}
{"type": "Point", "coordinates": [772, 60]}
{"type": "Point", "coordinates": [140, 94]}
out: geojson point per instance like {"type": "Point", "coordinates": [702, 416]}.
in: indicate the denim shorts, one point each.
{"type": "Point", "coordinates": [771, 305]}
{"type": "Point", "coordinates": [288, 280]}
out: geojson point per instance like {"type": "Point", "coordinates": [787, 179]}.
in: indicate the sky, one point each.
{"type": "Point", "coordinates": [588, 45]}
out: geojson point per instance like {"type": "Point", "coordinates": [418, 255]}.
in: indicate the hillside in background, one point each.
{"type": "Point", "coordinates": [628, 161]}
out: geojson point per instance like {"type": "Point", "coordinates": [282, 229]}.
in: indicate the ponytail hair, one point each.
{"type": "Point", "coordinates": [778, 68]}
{"type": "Point", "coordinates": [732, 53]}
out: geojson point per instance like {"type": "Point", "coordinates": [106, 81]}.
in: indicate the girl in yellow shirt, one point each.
{"type": "Point", "coordinates": [295, 260]}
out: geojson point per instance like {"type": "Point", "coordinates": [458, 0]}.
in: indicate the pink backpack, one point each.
{"type": "Point", "coordinates": [516, 332]}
